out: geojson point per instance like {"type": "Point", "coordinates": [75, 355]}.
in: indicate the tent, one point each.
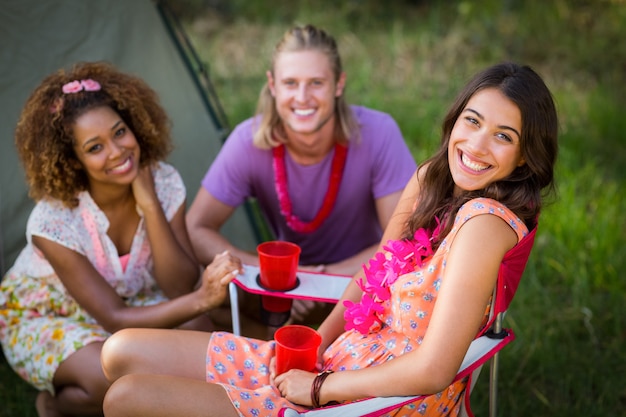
{"type": "Point", "coordinates": [142, 37]}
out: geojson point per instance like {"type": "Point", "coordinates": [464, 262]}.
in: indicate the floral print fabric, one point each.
{"type": "Point", "coordinates": [40, 323]}
{"type": "Point", "coordinates": [240, 364]}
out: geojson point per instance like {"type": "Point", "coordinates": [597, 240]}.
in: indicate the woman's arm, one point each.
{"type": "Point", "coordinates": [469, 280]}
{"type": "Point", "coordinates": [176, 270]}
{"type": "Point", "coordinates": [94, 294]}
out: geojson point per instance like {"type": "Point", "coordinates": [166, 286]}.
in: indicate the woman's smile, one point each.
{"type": "Point", "coordinates": [122, 168]}
{"type": "Point", "coordinates": [473, 165]}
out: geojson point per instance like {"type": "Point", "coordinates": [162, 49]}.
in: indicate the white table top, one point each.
{"type": "Point", "coordinates": [312, 286]}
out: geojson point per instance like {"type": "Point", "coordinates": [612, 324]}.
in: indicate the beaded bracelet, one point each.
{"type": "Point", "coordinates": [317, 386]}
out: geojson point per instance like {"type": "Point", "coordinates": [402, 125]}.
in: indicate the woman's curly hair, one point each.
{"type": "Point", "coordinates": [44, 133]}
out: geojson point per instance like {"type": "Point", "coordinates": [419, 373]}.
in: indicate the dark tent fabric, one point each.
{"type": "Point", "coordinates": [38, 37]}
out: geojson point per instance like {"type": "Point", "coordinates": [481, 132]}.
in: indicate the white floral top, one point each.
{"type": "Point", "coordinates": [40, 323]}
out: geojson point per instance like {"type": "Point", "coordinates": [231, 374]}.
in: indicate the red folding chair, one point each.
{"type": "Point", "coordinates": [486, 346]}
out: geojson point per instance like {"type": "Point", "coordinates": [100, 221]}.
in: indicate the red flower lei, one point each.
{"type": "Point", "coordinates": [280, 182]}
{"type": "Point", "coordinates": [402, 257]}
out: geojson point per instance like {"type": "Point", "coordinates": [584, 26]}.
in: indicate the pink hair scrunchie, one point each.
{"type": "Point", "coordinates": [76, 86]}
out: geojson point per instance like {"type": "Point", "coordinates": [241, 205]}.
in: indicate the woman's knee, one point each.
{"type": "Point", "coordinates": [117, 354]}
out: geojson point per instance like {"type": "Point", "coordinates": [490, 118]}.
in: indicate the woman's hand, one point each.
{"type": "Point", "coordinates": [143, 189]}
{"type": "Point", "coordinates": [295, 386]}
{"type": "Point", "coordinates": [216, 277]}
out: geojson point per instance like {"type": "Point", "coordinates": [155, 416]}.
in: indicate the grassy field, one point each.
{"type": "Point", "coordinates": [409, 58]}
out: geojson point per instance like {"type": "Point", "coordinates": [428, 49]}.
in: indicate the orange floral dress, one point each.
{"type": "Point", "coordinates": [241, 365]}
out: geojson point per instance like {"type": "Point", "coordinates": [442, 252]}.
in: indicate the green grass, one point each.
{"type": "Point", "coordinates": [409, 58]}
{"type": "Point", "coordinates": [17, 398]}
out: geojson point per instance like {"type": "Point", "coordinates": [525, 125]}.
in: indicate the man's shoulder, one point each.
{"type": "Point", "coordinates": [245, 127]}
{"type": "Point", "coordinates": [368, 115]}
{"type": "Point", "coordinates": [376, 127]}
{"type": "Point", "coordinates": [242, 134]}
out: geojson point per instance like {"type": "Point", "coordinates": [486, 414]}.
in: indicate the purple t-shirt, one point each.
{"type": "Point", "coordinates": [377, 165]}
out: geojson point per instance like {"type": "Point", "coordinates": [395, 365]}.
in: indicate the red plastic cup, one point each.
{"type": "Point", "coordinates": [278, 265]}
{"type": "Point", "coordinates": [296, 348]}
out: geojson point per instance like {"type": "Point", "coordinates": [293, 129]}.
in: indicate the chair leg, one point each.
{"type": "Point", "coordinates": [493, 387]}
{"type": "Point", "coordinates": [493, 372]}
{"type": "Point", "coordinates": [234, 308]}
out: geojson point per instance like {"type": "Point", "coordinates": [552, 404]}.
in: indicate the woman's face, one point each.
{"type": "Point", "coordinates": [106, 147]}
{"type": "Point", "coordinates": [484, 144]}
{"type": "Point", "coordinates": [305, 90]}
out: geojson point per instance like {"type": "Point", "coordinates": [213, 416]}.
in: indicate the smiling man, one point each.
{"type": "Point", "coordinates": [327, 175]}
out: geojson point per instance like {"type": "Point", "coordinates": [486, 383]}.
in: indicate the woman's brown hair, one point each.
{"type": "Point", "coordinates": [44, 138]}
{"type": "Point", "coordinates": [522, 191]}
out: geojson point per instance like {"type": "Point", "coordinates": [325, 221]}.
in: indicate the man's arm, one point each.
{"type": "Point", "coordinates": [205, 218]}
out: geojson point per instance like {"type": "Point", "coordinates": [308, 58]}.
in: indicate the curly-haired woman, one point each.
{"type": "Point", "coordinates": [107, 247]}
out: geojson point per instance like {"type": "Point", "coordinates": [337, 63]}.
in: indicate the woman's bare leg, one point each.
{"type": "Point", "coordinates": [156, 351]}
{"type": "Point", "coordinates": [80, 386]}
{"type": "Point", "coordinates": [46, 406]}
{"type": "Point", "coordinates": [161, 373]}
{"type": "Point", "coordinates": [162, 395]}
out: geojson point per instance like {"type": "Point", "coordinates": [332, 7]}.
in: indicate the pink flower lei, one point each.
{"type": "Point", "coordinates": [280, 183]}
{"type": "Point", "coordinates": [401, 257]}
